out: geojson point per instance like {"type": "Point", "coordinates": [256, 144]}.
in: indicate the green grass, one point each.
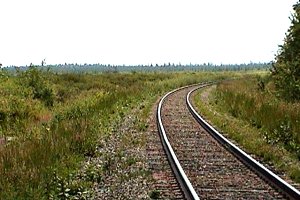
{"type": "Point", "coordinates": [54, 121]}
{"type": "Point", "coordinates": [255, 118]}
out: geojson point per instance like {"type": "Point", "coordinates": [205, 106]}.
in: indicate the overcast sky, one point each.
{"type": "Point", "coordinates": [141, 31]}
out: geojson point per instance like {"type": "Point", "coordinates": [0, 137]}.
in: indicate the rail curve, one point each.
{"type": "Point", "coordinates": [273, 179]}
{"type": "Point", "coordinates": [183, 180]}
{"type": "Point", "coordinates": [185, 184]}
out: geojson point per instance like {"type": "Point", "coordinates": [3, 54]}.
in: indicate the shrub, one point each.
{"type": "Point", "coordinates": [35, 79]}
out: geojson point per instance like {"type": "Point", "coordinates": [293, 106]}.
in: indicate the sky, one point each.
{"type": "Point", "coordinates": [142, 31]}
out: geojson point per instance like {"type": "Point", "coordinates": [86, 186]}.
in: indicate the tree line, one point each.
{"type": "Point", "coordinates": [82, 68]}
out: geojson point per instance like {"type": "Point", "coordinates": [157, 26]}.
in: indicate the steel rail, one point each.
{"type": "Point", "coordinates": [184, 183]}
{"type": "Point", "coordinates": [269, 176]}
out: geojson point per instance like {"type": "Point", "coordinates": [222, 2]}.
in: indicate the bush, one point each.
{"type": "Point", "coordinates": [34, 79]}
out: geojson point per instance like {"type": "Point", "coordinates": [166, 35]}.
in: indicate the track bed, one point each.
{"type": "Point", "coordinates": [213, 171]}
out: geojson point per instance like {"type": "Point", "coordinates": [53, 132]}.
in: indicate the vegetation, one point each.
{"type": "Point", "coordinates": [253, 116]}
{"type": "Point", "coordinates": [154, 194]}
{"type": "Point", "coordinates": [286, 68]}
{"type": "Point", "coordinates": [50, 122]}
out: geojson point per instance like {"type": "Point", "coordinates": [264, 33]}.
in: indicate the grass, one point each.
{"type": "Point", "coordinates": [51, 122]}
{"type": "Point", "coordinates": [255, 118]}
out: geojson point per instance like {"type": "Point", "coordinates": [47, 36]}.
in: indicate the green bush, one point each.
{"type": "Point", "coordinates": [37, 81]}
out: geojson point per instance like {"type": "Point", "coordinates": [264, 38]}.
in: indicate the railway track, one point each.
{"type": "Point", "coordinates": [206, 165]}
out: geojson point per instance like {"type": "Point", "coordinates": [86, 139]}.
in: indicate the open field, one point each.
{"type": "Point", "coordinates": [50, 123]}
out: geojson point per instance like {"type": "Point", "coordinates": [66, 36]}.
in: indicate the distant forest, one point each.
{"type": "Point", "coordinates": [94, 68]}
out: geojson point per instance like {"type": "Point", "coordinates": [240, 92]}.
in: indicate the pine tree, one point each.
{"type": "Point", "coordinates": [286, 68]}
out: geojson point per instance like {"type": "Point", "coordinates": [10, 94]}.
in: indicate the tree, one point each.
{"type": "Point", "coordinates": [43, 62]}
{"type": "Point", "coordinates": [286, 68]}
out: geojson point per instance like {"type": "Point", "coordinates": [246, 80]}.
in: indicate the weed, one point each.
{"type": "Point", "coordinates": [93, 174]}
{"type": "Point", "coordinates": [154, 194]}
{"type": "Point", "coordinates": [130, 161]}
{"type": "Point", "coordinates": [66, 188]}
{"type": "Point", "coordinates": [142, 126]}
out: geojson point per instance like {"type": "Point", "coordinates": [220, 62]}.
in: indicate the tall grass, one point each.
{"type": "Point", "coordinates": [277, 119]}
{"type": "Point", "coordinates": [50, 122]}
